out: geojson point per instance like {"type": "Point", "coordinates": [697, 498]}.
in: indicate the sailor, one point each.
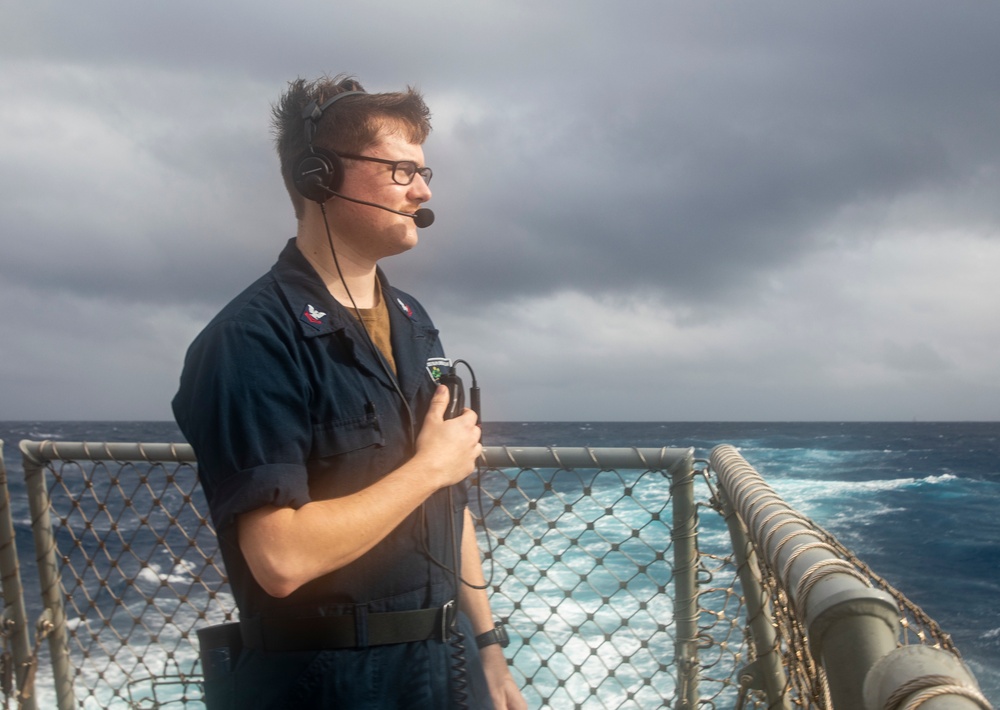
{"type": "Point", "coordinates": [335, 482]}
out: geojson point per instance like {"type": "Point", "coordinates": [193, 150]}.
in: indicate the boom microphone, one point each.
{"type": "Point", "coordinates": [422, 217]}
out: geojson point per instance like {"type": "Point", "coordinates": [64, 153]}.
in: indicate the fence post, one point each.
{"type": "Point", "coordinates": [48, 577]}
{"type": "Point", "coordinates": [14, 616]}
{"type": "Point", "coordinates": [767, 672]}
{"type": "Point", "coordinates": [684, 535]}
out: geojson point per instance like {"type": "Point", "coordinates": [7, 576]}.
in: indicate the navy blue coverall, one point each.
{"type": "Point", "coordinates": [284, 402]}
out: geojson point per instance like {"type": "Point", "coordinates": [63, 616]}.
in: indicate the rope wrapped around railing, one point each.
{"type": "Point", "coordinates": [853, 628]}
{"type": "Point", "coordinates": [41, 452]}
{"type": "Point", "coordinates": [654, 459]}
{"type": "Point", "coordinates": [765, 513]}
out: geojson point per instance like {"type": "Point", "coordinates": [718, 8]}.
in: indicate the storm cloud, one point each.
{"type": "Point", "coordinates": [645, 210]}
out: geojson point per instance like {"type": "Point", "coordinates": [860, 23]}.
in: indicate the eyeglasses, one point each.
{"type": "Point", "coordinates": [403, 171]}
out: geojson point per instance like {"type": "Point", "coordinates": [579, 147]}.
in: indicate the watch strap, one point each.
{"type": "Point", "coordinates": [498, 634]}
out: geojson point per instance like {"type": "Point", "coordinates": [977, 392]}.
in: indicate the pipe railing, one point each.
{"type": "Point", "coordinates": [853, 629]}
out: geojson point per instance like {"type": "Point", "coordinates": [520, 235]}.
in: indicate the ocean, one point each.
{"type": "Point", "coordinates": [919, 502]}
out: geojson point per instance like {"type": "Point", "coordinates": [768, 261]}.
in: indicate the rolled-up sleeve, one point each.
{"type": "Point", "coordinates": [244, 408]}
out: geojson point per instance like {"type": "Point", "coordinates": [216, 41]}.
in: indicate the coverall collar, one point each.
{"type": "Point", "coordinates": [319, 314]}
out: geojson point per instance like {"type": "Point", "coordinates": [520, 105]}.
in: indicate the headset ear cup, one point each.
{"type": "Point", "coordinates": [317, 174]}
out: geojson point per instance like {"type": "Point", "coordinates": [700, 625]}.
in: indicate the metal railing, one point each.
{"type": "Point", "coordinates": [618, 594]}
{"type": "Point", "coordinates": [832, 610]}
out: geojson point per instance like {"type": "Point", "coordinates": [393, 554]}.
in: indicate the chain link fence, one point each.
{"type": "Point", "coordinates": [618, 588]}
{"type": "Point", "coordinates": [583, 567]}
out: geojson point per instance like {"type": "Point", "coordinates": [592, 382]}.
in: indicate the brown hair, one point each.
{"type": "Point", "coordinates": [350, 126]}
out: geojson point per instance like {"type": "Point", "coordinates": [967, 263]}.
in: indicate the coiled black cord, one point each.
{"type": "Point", "coordinates": [456, 639]}
{"type": "Point", "coordinates": [459, 669]}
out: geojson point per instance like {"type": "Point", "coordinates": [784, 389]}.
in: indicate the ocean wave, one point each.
{"type": "Point", "coordinates": [781, 462]}
{"type": "Point", "coordinates": [827, 488]}
{"type": "Point", "coordinates": [44, 435]}
{"type": "Point", "coordinates": [856, 502]}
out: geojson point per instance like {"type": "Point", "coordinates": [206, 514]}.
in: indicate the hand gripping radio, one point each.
{"type": "Point", "coordinates": [456, 391]}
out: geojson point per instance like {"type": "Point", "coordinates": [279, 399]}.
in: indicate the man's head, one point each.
{"type": "Point", "coordinates": [350, 125]}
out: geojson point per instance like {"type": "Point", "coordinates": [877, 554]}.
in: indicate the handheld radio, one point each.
{"type": "Point", "coordinates": [456, 393]}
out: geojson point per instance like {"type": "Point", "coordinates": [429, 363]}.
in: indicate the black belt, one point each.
{"type": "Point", "coordinates": [321, 633]}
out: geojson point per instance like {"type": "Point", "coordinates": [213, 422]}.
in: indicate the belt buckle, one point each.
{"type": "Point", "coordinates": [447, 619]}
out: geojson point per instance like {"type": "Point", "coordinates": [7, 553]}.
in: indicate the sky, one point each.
{"type": "Point", "coordinates": [646, 210]}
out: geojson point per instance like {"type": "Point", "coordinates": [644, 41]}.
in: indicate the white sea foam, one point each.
{"type": "Point", "coordinates": [153, 574]}
{"type": "Point", "coordinates": [43, 435]}
{"type": "Point", "coordinates": [810, 489]}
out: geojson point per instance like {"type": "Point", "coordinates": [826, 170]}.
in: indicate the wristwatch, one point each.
{"type": "Point", "coordinates": [498, 634]}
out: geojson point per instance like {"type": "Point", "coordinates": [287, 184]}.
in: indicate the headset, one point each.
{"type": "Point", "coordinates": [319, 172]}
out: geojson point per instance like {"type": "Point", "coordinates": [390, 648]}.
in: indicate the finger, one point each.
{"type": "Point", "coordinates": [439, 402]}
{"type": "Point", "coordinates": [467, 420]}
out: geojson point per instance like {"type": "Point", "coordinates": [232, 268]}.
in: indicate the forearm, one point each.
{"type": "Point", "coordinates": [286, 547]}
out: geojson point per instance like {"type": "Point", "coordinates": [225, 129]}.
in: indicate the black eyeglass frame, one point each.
{"type": "Point", "coordinates": [425, 172]}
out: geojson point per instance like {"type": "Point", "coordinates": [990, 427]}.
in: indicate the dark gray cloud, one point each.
{"type": "Point", "coordinates": [735, 160]}
{"type": "Point", "coordinates": [674, 167]}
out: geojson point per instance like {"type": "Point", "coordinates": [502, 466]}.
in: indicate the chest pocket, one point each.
{"type": "Point", "coordinates": [346, 435]}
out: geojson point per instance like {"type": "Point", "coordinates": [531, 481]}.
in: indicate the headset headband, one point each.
{"type": "Point", "coordinates": [313, 112]}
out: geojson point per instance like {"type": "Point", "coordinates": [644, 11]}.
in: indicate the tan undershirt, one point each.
{"type": "Point", "coordinates": [376, 322]}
